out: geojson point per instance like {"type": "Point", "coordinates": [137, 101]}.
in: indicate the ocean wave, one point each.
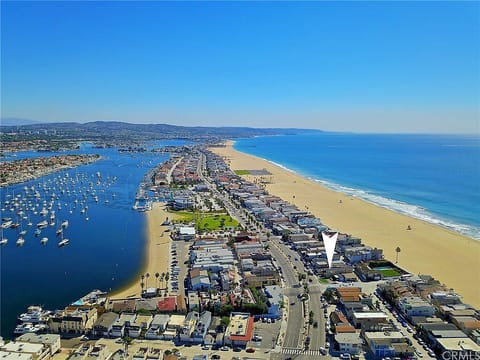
{"type": "Point", "coordinates": [413, 211]}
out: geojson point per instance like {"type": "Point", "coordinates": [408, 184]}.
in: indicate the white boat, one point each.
{"type": "Point", "coordinates": [7, 224]}
{"type": "Point", "coordinates": [26, 328]}
{"type": "Point", "coordinates": [23, 232]}
{"type": "Point", "coordinates": [38, 232]}
{"type": "Point", "coordinates": [44, 241]}
{"type": "Point", "coordinates": [59, 232]}
{"type": "Point", "coordinates": [63, 242]}
{"type": "Point", "coordinates": [4, 241]}
{"type": "Point", "coordinates": [65, 224]}
{"type": "Point", "coordinates": [20, 241]}
{"type": "Point", "coordinates": [42, 224]}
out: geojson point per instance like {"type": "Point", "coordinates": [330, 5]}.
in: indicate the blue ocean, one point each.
{"type": "Point", "coordinates": [435, 178]}
{"type": "Point", "coordinates": [106, 238]}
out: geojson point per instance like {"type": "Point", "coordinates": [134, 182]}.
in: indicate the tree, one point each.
{"type": "Point", "coordinates": [397, 250]}
{"type": "Point", "coordinates": [147, 275]}
{"type": "Point", "coordinates": [142, 277]}
{"type": "Point", "coordinates": [167, 276]}
{"type": "Point", "coordinates": [157, 275]}
{"type": "Point", "coordinates": [162, 277]}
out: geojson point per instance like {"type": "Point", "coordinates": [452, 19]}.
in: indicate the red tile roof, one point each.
{"type": "Point", "coordinates": [248, 332]}
{"type": "Point", "coordinates": [168, 304]}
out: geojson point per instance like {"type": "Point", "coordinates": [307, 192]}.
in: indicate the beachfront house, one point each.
{"type": "Point", "coordinates": [104, 324]}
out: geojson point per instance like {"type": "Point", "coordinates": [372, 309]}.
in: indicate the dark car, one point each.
{"type": "Point", "coordinates": [215, 356]}
{"type": "Point", "coordinates": [215, 347]}
{"type": "Point", "coordinates": [237, 349]}
{"type": "Point", "coordinates": [250, 350]}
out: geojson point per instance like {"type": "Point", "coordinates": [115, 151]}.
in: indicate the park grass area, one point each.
{"type": "Point", "coordinates": [206, 221]}
{"type": "Point", "coordinates": [323, 281]}
{"type": "Point", "coordinates": [242, 172]}
{"type": "Point", "coordinates": [389, 273]}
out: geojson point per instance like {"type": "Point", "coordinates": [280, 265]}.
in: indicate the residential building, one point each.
{"type": "Point", "coordinates": [349, 343]}
{"type": "Point", "coordinates": [36, 351]}
{"type": "Point", "coordinates": [240, 329]}
{"type": "Point", "coordinates": [415, 306]}
{"type": "Point", "coordinates": [388, 344]}
{"type": "Point", "coordinates": [104, 324]}
{"type": "Point", "coordinates": [52, 341]}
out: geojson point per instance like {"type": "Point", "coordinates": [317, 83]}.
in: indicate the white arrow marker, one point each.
{"type": "Point", "coordinates": [329, 242]}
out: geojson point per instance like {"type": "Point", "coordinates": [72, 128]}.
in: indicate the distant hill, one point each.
{"type": "Point", "coordinates": [12, 121]}
{"type": "Point", "coordinates": [117, 129]}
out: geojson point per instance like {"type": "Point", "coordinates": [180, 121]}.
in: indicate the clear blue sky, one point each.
{"type": "Point", "coordinates": [375, 67]}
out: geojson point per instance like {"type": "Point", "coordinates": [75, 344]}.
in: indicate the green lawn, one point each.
{"type": "Point", "coordinates": [215, 222]}
{"type": "Point", "coordinates": [207, 221]}
{"type": "Point", "coordinates": [389, 273]}
{"type": "Point", "coordinates": [323, 281]}
{"type": "Point", "coordinates": [242, 172]}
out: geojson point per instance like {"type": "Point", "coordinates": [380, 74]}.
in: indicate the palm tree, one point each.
{"type": "Point", "coordinates": [157, 275]}
{"type": "Point", "coordinates": [147, 276]}
{"type": "Point", "coordinates": [162, 277]}
{"type": "Point", "coordinates": [141, 282]}
{"type": "Point", "coordinates": [397, 250]}
{"type": "Point", "coordinates": [167, 276]}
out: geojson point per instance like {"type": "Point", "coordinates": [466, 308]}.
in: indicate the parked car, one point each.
{"type": "Point", "coordinates": [250, 350]}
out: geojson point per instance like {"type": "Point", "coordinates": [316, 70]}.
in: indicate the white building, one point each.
{"type": "Point", "coordinates": [415, 306]}
{"type": "Point", "coordinates": [349, 343]}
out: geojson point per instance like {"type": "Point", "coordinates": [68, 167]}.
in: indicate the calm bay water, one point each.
{"type": "Point", "coordinates": [435, 178]}
{"type": "Point", "coordinates": [104, 253]}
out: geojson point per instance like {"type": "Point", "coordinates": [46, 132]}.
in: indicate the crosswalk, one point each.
{"type": "Point", "coordinates": [297, 351]}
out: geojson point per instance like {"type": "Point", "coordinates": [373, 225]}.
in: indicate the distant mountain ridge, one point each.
{"type": "Point", "coordinates": [13, 121]}
{"type": "Point", "coordinates": [118, 128]}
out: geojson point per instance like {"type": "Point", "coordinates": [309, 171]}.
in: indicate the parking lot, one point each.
{"type": "Point", "coordinates": [177, 268]}
{"type": "Point", "coordinates": [265, 334]}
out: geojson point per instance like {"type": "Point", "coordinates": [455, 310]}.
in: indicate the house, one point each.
{"type": "Point", "coordinates": [188, 326]}
{"type": "Point", "coordinates": [157, 326]}
{"type": "Point", "coordinates": [201, 327]}
{"type": "Point", "coordinates": [415, 306]}
{"type": "Point", "coordinates": [349, 343]}
{"type": "Point", "coordinates": [22, 349]}
{"type": "Point", "coordinates": [174, 325]}
{"type": "Point", "coordinates": [199, 280]}
{"type": "Point", "coordinates": [141, 322]}
{"type": "Point", "coordinates": [74, 320]}
{"type": "Point", "coordinates": [52, 341]}
{"type": "Point", "coordinates": [123, 322]}
{"type": "Point", "coordinates": [167, 304]}
{"type": "Point", "coordinates": [186, 233]}
{"type": "Point", "coordinates": [387, 344]}
{"type": "Point", "coordinates": [104, 323]}
{"type": "Point", "coordinates": [369, 320]}
{"type": "Point", "coordinates": [274, 296]}
{"type": "Point", "coordinates": [240, 329]}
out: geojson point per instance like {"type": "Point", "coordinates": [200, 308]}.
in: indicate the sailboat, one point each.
{"type": "Point", "coordinates": [20, 241]}
{"type": "Point", "coordinates": [44, 241]}
{"type": "Point", "coordinates": [63, 242]}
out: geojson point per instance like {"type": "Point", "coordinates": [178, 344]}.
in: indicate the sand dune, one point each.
{"type": "Point", "coordinates": [427, 249]}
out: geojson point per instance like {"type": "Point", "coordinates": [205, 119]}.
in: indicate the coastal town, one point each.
{"type": "Point", "coordinates": [18, 171]}
{"type": "Point", "coordinates": [245, 275]}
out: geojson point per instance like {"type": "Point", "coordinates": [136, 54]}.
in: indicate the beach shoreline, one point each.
{"type": "Point", "coordinates": [156, 254]}
{"type": "Point", "coordinates": [448, 256]}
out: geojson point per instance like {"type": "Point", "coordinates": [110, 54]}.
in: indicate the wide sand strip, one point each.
{"type": "Point", "coordinates": [156, 255]}
{"type": "Point", "coordinates": [425, 249]}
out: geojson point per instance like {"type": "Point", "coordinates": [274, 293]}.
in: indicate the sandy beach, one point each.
{"type": "Point", "coordinates": [156, 252]}
{"type": "Point", "coordinates": [450, 257]}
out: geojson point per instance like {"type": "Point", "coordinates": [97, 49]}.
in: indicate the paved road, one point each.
{"type": "Point", "coordinates": [317, 334]}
